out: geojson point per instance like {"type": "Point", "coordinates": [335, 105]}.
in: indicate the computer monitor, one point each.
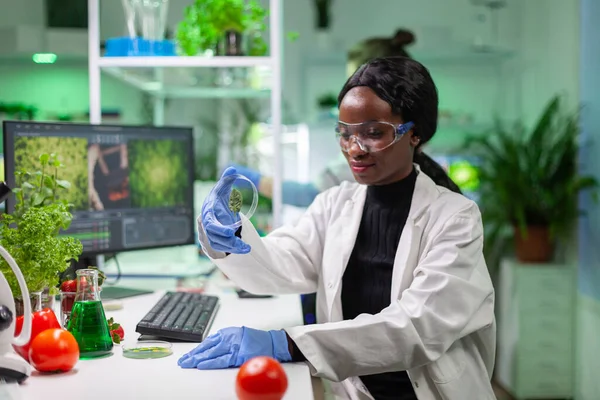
{"type": "Point", "coordinates": [132, 186]}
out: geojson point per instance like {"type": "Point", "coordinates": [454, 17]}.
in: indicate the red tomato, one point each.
{"type": "Point", "coordinates": [261, 378]}
{"type": "Point", "coordinates": [54, 350]}
{"type": "Point", "coordinates": [40, 321]}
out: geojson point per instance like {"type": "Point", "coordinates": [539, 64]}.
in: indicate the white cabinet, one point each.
{"type": "Point", "coordinates": [536, 318]}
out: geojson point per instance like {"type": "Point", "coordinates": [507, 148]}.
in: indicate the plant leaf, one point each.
{"type": "Point", "coordinates": [37, 199]}
{"type": "Point", "coordinates": [63, 184]}
{"type": "Point", "coordinates": [48, 181]}
{"type": "Point", "coordinates": [44, 158]}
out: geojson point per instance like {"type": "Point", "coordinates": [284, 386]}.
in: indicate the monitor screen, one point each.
{"type": "Point", "coordinates": [131, 187]}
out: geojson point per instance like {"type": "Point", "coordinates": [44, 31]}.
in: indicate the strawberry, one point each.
{"type": "Point", "coordinates": [116, 331]}
{"type": "Point", "coordinates": [69, 286]}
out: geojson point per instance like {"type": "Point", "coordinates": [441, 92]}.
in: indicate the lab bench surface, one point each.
{"type": "Point", "coordinates": [117, 377]}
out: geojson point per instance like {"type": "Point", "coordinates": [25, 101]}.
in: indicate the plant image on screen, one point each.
{"type": "Point", "coordinates": [158, 172]}
{"type": "Point", "coordinates": [72, 153]}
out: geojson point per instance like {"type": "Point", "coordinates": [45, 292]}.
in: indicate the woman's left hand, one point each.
{"type": "Point", "coordinates": [232, 347]}
{"type": "Point", "coordinates": [216, 212]}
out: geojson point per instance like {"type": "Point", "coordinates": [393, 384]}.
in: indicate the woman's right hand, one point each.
{"type": "Point", "coordinates": [216, 214]}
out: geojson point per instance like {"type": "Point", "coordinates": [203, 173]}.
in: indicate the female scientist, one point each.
{"type": "Point", "coordinates": [405, 304]}
{"type": "Point", "coordinates": [303, 194]}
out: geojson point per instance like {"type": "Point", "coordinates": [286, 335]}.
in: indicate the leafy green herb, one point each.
{"type": "Point", "coordinates": [235, 201]}
{"type": "Point", "coordinates": [31, 233]}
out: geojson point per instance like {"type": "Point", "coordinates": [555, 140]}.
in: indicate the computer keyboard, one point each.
{"type": "Point", "coordinates": [180, 316]}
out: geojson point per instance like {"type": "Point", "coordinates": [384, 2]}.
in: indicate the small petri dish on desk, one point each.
{"type": "Point", "coordinates": [147, 349]}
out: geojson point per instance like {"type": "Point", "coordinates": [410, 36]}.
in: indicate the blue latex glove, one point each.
{"type": "Point", "coordinates": [216, 214]}
{"type": "Point", "coordinates": [232, 347]}
{"type": "Point", "coordinates": [249, 173]}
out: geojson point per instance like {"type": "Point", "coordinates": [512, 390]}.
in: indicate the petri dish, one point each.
{"type": "Point", "coordinates": [246, 201]}
{"type": "Point", "coordinates": [147, 349]}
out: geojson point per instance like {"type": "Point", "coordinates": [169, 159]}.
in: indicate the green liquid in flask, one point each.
{"type": "Point", "coordinates": [88, 325]}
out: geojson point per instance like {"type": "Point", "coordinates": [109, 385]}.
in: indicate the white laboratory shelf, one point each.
{"type": "Point", "coordinates": [190, 83]}
{"type": "Point", "coordinates": [215, 93]}
{"type": "Point", "coordinates": [186, 77]}
{"type": "Point", "coordinates": [195, 61]}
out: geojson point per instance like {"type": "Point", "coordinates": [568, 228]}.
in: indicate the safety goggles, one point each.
{"type": "Point", "coordinates": [370, 136]}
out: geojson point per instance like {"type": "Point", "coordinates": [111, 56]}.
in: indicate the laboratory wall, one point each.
{"type": "Point", "coordinates": [588, 349]}
{"type": "Point", "coordinates": [59, 91]}
{"type": "Point", "coordinates": [549, 33]}
{"type": "Point", "coordinates": [540, 32]}
{"type": "Point", "coordinates": [26, 12]}
{"type": "Point", "coordinates": [439, 26]}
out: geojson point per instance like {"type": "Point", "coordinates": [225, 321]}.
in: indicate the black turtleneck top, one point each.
{"type": "Point", "coordinates": [367, 280]}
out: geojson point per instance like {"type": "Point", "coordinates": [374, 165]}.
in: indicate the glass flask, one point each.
{"type": "Point", "coordinates": [88, 322]}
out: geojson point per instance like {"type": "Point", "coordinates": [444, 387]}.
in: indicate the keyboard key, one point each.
{"type": "Point", "coordinates": [203, 320]}
{"type": "Point", "coordinates": [149, 317]}
{"type": "Point", "coordinates": [173, 315]}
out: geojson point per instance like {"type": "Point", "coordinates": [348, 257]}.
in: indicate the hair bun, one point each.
{"type": "Point", "coordinates": [402, 37]}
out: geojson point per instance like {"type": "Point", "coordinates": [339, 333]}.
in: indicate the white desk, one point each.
{"type": "Point", "coordinates": [117, 377]}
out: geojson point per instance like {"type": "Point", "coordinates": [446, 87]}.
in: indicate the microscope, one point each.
{"type": "Point", "coordinates": [12, 367]}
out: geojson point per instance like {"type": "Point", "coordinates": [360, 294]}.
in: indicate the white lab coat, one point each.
{"type": "Point", "coordinates": [440, 325]}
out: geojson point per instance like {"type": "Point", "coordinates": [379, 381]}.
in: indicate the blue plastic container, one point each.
{"type": "Point", "coordinates": [136, 47]}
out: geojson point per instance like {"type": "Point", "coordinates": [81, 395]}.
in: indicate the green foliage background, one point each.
{"type": "Point", "coordinates": [157, 171]}
{"type": "Point", "coordinates": [72, 153]}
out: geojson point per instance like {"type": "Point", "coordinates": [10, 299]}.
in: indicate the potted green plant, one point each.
{"type": "Point", "coordinates": [323, 14]}
{"type": "Point", "coordinates": [209, 22]}
{"type": "Point", "coordinates": [327, 106]}
{"type": "Point", "coordinates": [327, 101]}
{"type": "Point", "coordinates": [227, 27]}
{"type": "Point", "coordinates": [31, 233]}
{"type": "Point", "coordinates": [529, 181]}
{"type": "Point", "coordinates": [18, 111]}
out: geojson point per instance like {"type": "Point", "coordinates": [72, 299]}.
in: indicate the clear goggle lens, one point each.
{"type": "Point", "coordinates": [370, 136]}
